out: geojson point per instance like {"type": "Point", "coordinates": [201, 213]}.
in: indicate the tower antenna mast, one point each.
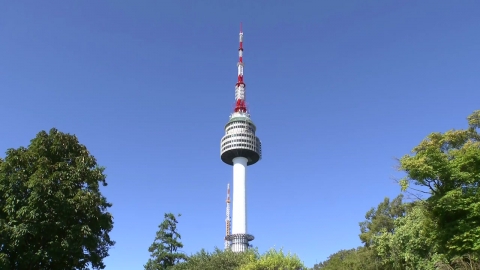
{"type": "Point", "coordinates": [228, 220]}
{"type": "Point", "coordinates": [240, 105]}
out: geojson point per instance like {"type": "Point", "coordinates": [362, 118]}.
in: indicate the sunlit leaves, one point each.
{"type": "Point", "coordinates": [474, 120]}
{"type": "Point", "coordinates": [448, 164]}
{"type": "Point", "coordinates": [362, 258]}
{"type": "Point", "coordinates": [248, 260]}
{"type": "Point", "coordinates": [273, 259]}
{"type": "Point", "coordinates": [404, 184]}
{"type": "Point", "coordinates": [218, 259]}
{"type": "Point", "coordinates": [441, 232]}
{"type": "Point", "coordinates": [381, 219]}
{"type": "Point", "coordinates": [412, 243]}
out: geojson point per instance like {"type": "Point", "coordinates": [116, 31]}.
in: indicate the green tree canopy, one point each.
{"type": "Point", "coordinates": [448, 166]}
{"type": "Point", "coordinates": [247, 260]}
{"type": "Point", "coordinates": [218, 259]}
{"type": "Point", "coordinates": [381, 219]}
{"type": "Point", "coordinates": [52, 214]}
{"type": "Point", "coordinates": [273, 260]}
{"type": "Point", "coordinates": [164, 249]}
{"type": "Point", "coordinates": [411, 245]}
{"type": "Point", "coordinates": [441, 232]}
{"type": "Point", "coordinates": [361, 258]}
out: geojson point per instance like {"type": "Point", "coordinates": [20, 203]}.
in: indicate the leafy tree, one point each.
{"type": "Point", "coordinates": [361, 258]}
{"type": "Point", "coordinates": [411, 246]}
{"type": "Point", "coordinates": [52, 214]}
{"type": "Point", "coordinates": [381, 219]}
{"type": "Point", "coordinates": [218, 259]}
{"type": "Point", "coordinates": [467, 262]}
{"type": "Point", "coordinates": [448, 166]}
{"type": "Point", "coordinates": [441, 232]}
{"type": "Point", "coordinates": [164, 249]}
{"type": "Point", "coordinates": [386, 233]}
{"type": "Point", "coordinates": [273, 260]}
{"type": "Point", "coordinates": [247, 260]}
{"type": "Point", "coordinates": [336, 260]}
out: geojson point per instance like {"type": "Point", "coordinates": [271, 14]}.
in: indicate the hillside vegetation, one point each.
{"type": "Point", "coordinates": [53, 215]}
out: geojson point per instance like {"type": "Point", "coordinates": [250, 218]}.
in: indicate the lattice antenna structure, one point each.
{"type": "Point", "coordinates": [228, 229]}
{"type": "Point", "coordinates": [240, 103]}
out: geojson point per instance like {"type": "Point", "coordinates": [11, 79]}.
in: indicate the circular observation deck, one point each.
{"type": "Point", "coordinates": [240, 140]}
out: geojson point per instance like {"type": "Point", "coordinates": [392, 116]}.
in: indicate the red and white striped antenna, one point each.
{"type": "Point", "coordinates": [240, 105]}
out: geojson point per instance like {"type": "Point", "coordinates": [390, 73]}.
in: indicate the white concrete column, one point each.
{"type": "Point", "coordinates": [239, 213]}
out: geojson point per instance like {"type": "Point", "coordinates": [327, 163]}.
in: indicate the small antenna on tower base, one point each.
{"type": "Point", "coordinates": [228, 221]}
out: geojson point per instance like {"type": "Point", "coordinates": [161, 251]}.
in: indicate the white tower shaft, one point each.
{"type": "Point", "coordinates": [239, 224]}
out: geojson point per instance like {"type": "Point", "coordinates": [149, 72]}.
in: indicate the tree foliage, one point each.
{"type": "Point", "coordinates": [218, 259]}
{"type": "Point", "coordinates": [378, 220]}
{"type": "Point", "coordinates": [448, 165]}
{"type": "Point", "coordinates": [467, 262]}
{"type": "Point", "coordinates": [164, 249]}
{"type": "Point", "coordinates": [52, 214]}
{"type": "Point", "coordinates": [248, 260]}
{"type": "Point", "coordinates": [381, 219]}
{"type": "Point", "coordinates": [273, 260]}
{"type": "Point", "coordinates": [411, 246]}
{"type": "Point", "coordinates": [441, 232]}
{"type": "Point", "coordinates": [361, 258]}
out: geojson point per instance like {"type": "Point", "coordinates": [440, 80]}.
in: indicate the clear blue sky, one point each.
{"type": "Point", "coordinates": [337, 89]}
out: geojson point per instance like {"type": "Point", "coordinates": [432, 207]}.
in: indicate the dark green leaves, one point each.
{"type": "Point", "coordinates": [52, 214]}
{"type": "Point", "coordinates": [164, 249]}
{"type": "Point", "coordinates": [218, 259]}
{"type": "Point", "coordinates": [381, 219]}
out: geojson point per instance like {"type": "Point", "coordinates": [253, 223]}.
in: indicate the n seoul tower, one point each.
{"type": "Point", "coordinates": [240, 148]}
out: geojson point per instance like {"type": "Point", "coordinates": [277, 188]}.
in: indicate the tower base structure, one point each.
{"type": "Point", "coordinates": [239, 242]}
